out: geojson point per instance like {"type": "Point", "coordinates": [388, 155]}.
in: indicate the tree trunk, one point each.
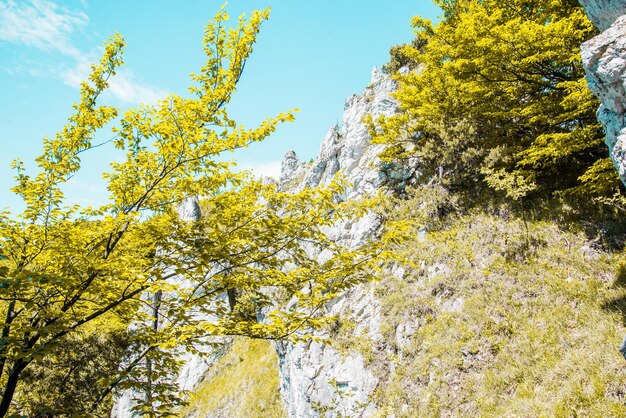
{"type": "Point", "coordinates": [9, 388]}
{"type": "Point", "coordinates": [5, 335]}
{"type": "Point", "coordinates": [156, 306]}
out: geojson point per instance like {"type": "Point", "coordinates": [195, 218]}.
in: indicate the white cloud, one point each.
{"type": "Point", "coordinates": [123, 86]}
{"type": "Point", "coordinates": [85, 193]}
{"type": "Point", "coordinates": [45, 25]}
{"type": "Point", "coordinates": [267, 169]}
{"type": "Point", "coordinates": [40, 24]}
{"type": "Point", "coordinates": [74, 76]}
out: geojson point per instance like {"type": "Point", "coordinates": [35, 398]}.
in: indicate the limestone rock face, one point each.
{"type": "Point", "coordinates": [191, 374]}
{"type": "Point", "coordinates": [289, 167]}
{"type": "Point", "coordinates": [604, 58]}
{"type": "Point", "coordinates": [194, 366]}
{"type": "Point", "coordinates": [189, 209]}
{"type": "Point", "coordinates": [316, 378]}
{"type": "Point", "coordinates": [604, 12]}
{"type": "Point", "coordinates": [348, 148]}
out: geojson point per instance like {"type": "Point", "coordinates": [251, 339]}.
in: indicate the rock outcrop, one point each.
{"type": "Point", "coordinates": [316, 378]}
{"type": "Point", "coordinates": [347, 148]}
{"type": "Point", "coordinates": [194, 366]}
{"type": "Point", "coordinates": [603, 13]}
{"type": "Point", "coordinates": [604, 58]}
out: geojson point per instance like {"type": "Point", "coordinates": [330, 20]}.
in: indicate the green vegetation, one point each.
{"type": "Point", "coordinates": [498, 98]}
{"type": "Point", "coordinates": [512, 300]}
{"type": "Point", "coordinates": [72, 379]}
{"type": "Point", "coordinates": [133, 264]}
{"type": "Point", "coordinates": [243, 383]}
{"type": "Point", "coordinates": [497, 317]}
{"type": "Point", "coordinates": [514, 292]}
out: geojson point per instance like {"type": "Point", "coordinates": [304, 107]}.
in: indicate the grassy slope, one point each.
{"type": "Point", "coordinates": [503, 320]}
{"type": "Point", "coordinates": [243, 383]}
{"type": "Point", "coordinates": [493, 317]}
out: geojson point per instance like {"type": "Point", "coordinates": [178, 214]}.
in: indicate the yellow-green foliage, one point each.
{"type": "Point", "coordinates": [510, 319]}
{"type": "Point", "coordinates": [75, 372]}
{"type": "Point", "coordinates": [243, 383]}
{"type": "Point", "coordinates": [499, 96]}
{"type": "Point", "coordinates": [62, 267]}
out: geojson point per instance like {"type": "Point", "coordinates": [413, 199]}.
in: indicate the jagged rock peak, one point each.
{"type": "Point", "coordinates": [289, 166]}
{"type": "Point", "coordinates": [347, 146]}
{"type": "Point", "coordinates": [189, 209]}
{"type": "Point", "coordinates": [311, 373]}
{"type": "Point", "coordinates": [604, 12]}
{"type": "Point", "coordinates": [376, 75]}
{"type": "Point", "coordinates": [331, 142]}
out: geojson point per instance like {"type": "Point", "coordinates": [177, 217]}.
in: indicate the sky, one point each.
{"type": "Point", "coordinates": [310, 55]}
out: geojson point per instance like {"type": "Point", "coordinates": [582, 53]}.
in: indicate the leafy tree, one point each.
{"type": "Point", "coordinates": [399, 60]}
{"type": "Point", "coordinates": [63, 270]}
{"type": "Point", "coordinates": [69, 380]}
{"type": "Point", "coordinates": [500, 98]}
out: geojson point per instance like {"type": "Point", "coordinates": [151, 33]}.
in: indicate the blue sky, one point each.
{"type": "Point", "coordinates": [310, 55]}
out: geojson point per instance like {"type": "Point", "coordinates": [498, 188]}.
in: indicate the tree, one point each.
{"type": "Point", "coordinates": [69, 380]}
{"type": "Point", "coordinates": [500, 98]}
{"type": "Point", "coordinates": [134, 261]}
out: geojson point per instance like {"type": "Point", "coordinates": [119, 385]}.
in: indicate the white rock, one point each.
{"type": "Point", "coordinates": [604, 58]}
{"type": "Point", "coordinates": [604, 12]}
{"type": "Point", "coordinates": [289, 166]}
{"type": "Point", "coordinates": [348, 150]}
{"type": "Point", "coordinates": [313, 374]}
{"type": "Point", "coordinates": [194, 366]}
{"type": "Point", "coordinates": [189, 209]}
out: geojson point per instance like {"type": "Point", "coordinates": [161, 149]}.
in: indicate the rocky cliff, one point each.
{"type": "Point", "coordinates": [452, 333]}
{"type": "Point", "coordinates": [347, 148]}
{"type": "Point", "coordinates": [194, 367]}
{"type": "Point", "coordinates": [469, 326]}
{"type": "Point", "coordinates": [314, 377]}
{"type": "Point", "coordinates": [604, 58]}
